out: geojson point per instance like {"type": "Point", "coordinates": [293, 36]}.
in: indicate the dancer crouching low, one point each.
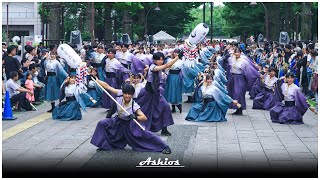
{"type": "Point", "coordinates": [118, 131]}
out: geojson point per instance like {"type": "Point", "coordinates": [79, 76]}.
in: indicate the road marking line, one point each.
{"type": "Point", "coordinates": [25, 125]}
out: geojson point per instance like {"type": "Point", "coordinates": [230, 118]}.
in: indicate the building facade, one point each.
{"type": "Point", "coordinates": [23, 20]}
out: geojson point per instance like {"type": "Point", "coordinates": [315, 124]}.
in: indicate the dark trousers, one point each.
{"type": "Point", "coordinates": [23, 101]}
{"type": "Point", "coordinates": [37, 94]}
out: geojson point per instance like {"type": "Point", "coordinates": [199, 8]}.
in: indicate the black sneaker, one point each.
{"type": "Point", "coordinates": [99, 149]}
{"type": "Point", "coordinates": [238, 112]}
{"type": "Point", "coordinates": [165, 133]}
{"type": "Point", "coordinates": [166, 150]}
{"type": "Point", "coordinates": [50, 111]}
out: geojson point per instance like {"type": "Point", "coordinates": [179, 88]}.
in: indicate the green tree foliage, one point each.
{"type": "Point", "coordinates": [178, 19]}
{"type": "Point", "coordinates": [241, 18]}
{"type": "Point", "coordinates": [173, 18]}
{"type": "Point", "coordinates": [218, 20]}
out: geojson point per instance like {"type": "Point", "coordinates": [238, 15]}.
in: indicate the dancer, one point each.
{"type": "Point", "coordinates": [137, 81]}
{"type": "Point", "coordinates": [256, 88]}
{"type": "Point", "coordinates": [214, 105]}
{"type": "Point", "coordinates": [295, 103]}
{"type": "Point", "coordinates": [97, 61]}
{"type": "Point", "coordinates": [119, 131]}
{"type": "Point", "coordinates": [70, 109]}
{"type": "Point", "coordinates": [93, 89]}
{"type": "Point", "coordinates": [113, 68]}
{"type": "Point", "coordinates": [219, 75]}
{"type": "Point", "coordinates": [265, 99]}
{"type": "Point", "coordinates": [240, 71]}
{"type": "Point", "coordinates": [173, 90]}
{"type": "Point", "coordinates": [55, 77]}
{"type": "Point", "coordinates": [152, 103]}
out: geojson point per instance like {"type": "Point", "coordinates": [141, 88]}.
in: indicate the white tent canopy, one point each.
{"type": "Point", "coordinates": [162, 37]}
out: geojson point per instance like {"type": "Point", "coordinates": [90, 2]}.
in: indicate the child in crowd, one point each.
{"type": "Point", "coordinates": [30, 86]}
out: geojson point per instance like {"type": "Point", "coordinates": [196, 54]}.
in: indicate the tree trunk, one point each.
{"type": "Point", "coordinates": [306, 21]}
{"type": "Point", "coordinates": [141, 22]}
{"type": "Point", "coordinates": [108, 23]}
{"type": "Point", "coordinates": [99, 28]}
{"type": "Point", "coordinates": [88, 17]}
{"type": "Point", "coordinates": [274, 20]}
{"type": "Point", "coordinates": [80, 21]}
{"type": "Point", "coordinates": [126, 21]}
{"type": "Point", "coordinates": [55, 20]}
{"type": "Point", "coordinates": [288, 18]}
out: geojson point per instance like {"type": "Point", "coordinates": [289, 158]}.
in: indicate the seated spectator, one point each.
{"type": "Point", "coordinates": [17, 93]}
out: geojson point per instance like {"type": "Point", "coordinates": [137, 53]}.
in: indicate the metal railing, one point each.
{"type": "Point", "coordinates": [18, 15]}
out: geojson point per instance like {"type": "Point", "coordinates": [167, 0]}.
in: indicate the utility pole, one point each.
{"type": "Point", "coordinates": [42, 17]}
{"type": "Point", "coordinates": [204, 12]}
{"type": "Point", "coordinates": [62, 22]}
{"type": "Point", "coordinates": [297, 26]}
{"type": "Point", "coordinates": [211, 18]}
{"type": "Point", "coordinates": [7, 24]}
{"type": "Point", "coordinates": [92, 24]}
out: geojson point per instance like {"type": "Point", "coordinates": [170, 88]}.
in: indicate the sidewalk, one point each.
{"type": "Point", "coordinates": [249, 142]}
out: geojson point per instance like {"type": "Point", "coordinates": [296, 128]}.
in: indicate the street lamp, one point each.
{"type": "Point", "coordinates": [157, 8]}
{"type": "Point", "coordinates": [7, 24]}
{"type": "Point", "coordinates": [267, 20]}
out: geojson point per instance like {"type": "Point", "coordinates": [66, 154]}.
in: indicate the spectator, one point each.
{"type": "Point", "coordinates": [41, 46]}
{"type": "Point", "coordinates": [314, 67]}
{"type": "Point", "coordinates": [53, 49]}
{"type": "Point", "coordinates": [287, 53]}
{"type": "Point", "coordinates": [4, 47]}
{"type": "Point", "coordinates": [42, 72]}
{"type": "Point", "coordinates": [17, 93]}
{"type": "Point", "coordinates": [302, 71]}
{"type": "Point", "coordinates": [11, 63]}
{"type": "Point", "coordinates": [39, 90]}
{"type": "Point", "coordinates": [30, 87]}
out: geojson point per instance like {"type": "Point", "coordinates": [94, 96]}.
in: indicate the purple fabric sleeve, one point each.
{"type": "Point", "coordinates": [301, 102]}
{"type": "Point", "coordinates": [251, 74]}
{"type": "Point", "coordinates": [137, 66]}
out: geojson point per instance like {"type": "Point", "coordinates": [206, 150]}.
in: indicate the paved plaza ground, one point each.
{"type": "Point", "coordinates": [35, 144]}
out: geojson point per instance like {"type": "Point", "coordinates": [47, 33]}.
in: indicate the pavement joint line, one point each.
{"type": "Point", "coordinates": [269, 164]}
{"type": "Point", "coordinates": [24, 125]}
{"type": "Point", "coordinates": [243, 163]}
{"type": "Point", "coordinates": [277, 135]}
{"type": "Point", "coordinates": [302, 143]}
{"type": "Point", "coordinates": [73, 151]}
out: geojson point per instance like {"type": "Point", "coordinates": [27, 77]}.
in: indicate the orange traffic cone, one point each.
{"type": "Point", "coordinates": [7, 113]}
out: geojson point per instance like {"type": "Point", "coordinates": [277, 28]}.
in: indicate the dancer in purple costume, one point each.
{"type": "Point", "coordinates": [240, 75]}
{"type": "Point", "coordinates": [119, 131]}
{"type": "Point", "coordinates": [295, 103]}
{"type": "Point", "coordinates": [265, 99]}
{"type": "Point", "coordinates": [113, 69]}
{"type": "Point", "coordinates": [151, 100]}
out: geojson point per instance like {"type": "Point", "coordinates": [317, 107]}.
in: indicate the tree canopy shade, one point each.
{"type": "Point", "coordinates": [218, 20]}
{"type": "Point", "coordinates": [111, 19]}
{"type": "Point", "coordinates": [241, 19]}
